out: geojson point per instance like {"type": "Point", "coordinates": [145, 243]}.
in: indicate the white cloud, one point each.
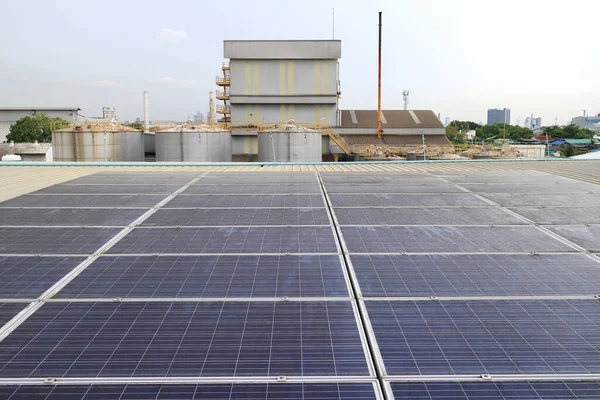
{"type": "Point", "coordinates": [184, 83]}
{"type": "Point", "coordinates": [107, 83]}
{"type": "Point", "coordinates": [171, 35]}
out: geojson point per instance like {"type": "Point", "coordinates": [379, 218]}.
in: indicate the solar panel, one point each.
{"type": "Point", "coordinates": [109, 189]}
{"type": "Point", "coordinates": [281, 188]}
{"type": "Point", "coordinates": [202, 339]}
{"type": "Point", "coordinates": [392, 188]}
{"type": "Point", "coordinates": [29, 277]}
{"type": "Point", "coordinates": [530, 187]}
{"type": "Point", "coordinates": [258, 178]}
{"type": "Point", "coordinates": [560, 215]}
{"type": "Point", "coordinates": [144, 178]}
{"type": "Point", "coordinates": [425, 216]}
{"type": "Point", "coordinates": [494, 337]}
{"type": "Point", "coordinates": [545, 200]}
{"type": "Point", "coordinates": [53, 201]}
{"type": "Point", "coordinates": [227, 240]}
{"type": "Point", "coordinates": [405, 200]}
{"type": "Point", "coordinates": [251, 391]}
{"type": "Point", "coordinates": [10, 310]}
{"type": "Point", "coordinates": [477, 275]}
{"type": "Point", "coordinates": [54, 240]}
{"type": "Point", "coordinates": [522, 390]}
{"type": "Point", "coordinates": [584, 236]}
{"type": "Point", "coordinates": [69, 216]}
{"type": "Point", "coordinates": [251, 201]}
{"type": "Point", "coordinates": [449, 239]}
{"type": "Point", "coordinates": [210, 276]}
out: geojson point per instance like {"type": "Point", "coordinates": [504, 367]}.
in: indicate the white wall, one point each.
{"type": "Point", "coordinates": [322, 114]}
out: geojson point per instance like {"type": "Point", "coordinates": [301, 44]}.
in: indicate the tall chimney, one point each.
{"type": "Point", "coordinates": [146, 122]}
{"type": "Point", "coordinates": [379, 84]}
{"type": "Point", "coordinates": [211, 105]}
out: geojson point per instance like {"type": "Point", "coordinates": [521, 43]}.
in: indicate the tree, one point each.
{"type": "Point", "coordinates": [568, 132]}
{"type": "Point", "coordinates": [454, 135]}
{"type": "Point", "coordinates": [37, 127]}
{"type": "Point", "coordinates": [137, 125]}
{"type": "Point", "coordinates": [465, 126]}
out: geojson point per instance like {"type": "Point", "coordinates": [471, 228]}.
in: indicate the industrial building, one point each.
{"type": "Point", "coordinates": [10, 115]}
{"type": "Point", "coordinates": [498, 116]}
{"type": "Point", "coordinates": [591, 122]}
{"type": "Point", "coordinates": [37, 152]}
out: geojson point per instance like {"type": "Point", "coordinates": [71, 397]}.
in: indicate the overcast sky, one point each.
{"type": "Point", "coordinates": [457, 57]}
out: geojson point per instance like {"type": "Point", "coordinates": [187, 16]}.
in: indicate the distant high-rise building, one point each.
{"type": "Point", "coordinates": [447, 121]}
{"type": "Point", "coordinates": [198, 117]}
{"type": "Point", "coordinates": [498, 116]}
{"type": "Point", "coordinates": [138, 119]}
{"type": "Point", "coordinates": [533, 122]}
{"type": "Point", "coordinates": [109, 113]}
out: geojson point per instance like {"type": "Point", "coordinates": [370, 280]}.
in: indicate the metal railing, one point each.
{"type": "Point", "coordinates": [225, 65]}
{"type": "Point", "coordinates": [224, 80]}
{"type": "Point", "coordinates": [223, 109]}
{"type": "Point", "coordinates": [222, 95]}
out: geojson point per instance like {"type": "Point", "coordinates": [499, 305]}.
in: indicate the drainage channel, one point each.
{"type": "Point", "coordinates": [353, 284]}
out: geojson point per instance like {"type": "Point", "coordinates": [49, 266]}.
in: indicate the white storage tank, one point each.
{"type": "Point", "coordinates": [290, 143]}
{"type": "Point", "coordinates": [193, 144]}
{"type": "Point", "coordinates": [98, 143]}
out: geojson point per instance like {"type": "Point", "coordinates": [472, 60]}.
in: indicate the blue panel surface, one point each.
{"type": "Point", "coordinates": [495, 337]}
{"type": "Point", "coordinates": [206, 339]}
{"type": "Point", "coordinates": [29, 277]}
{"type": "Point", "coordinates": [54, 240]}
{"type": "Point", "coordinates": [476, 275]}
{"type": "Point", "coordinates": [69, 216]}
{"type": "Point", "coordinates": [280, 188]}
{"type": "Point", "coordinates": [210, 276]}
{"type": "Point", "coordinates": [251, 201]}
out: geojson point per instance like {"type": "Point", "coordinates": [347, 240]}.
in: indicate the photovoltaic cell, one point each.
{"type": "Point", "coordinates": [227, 240]}
{"type": "Point", "coordinates": [54, 240]}
{"type": "Point", "coordinates": [210, 276]}
{"type": "Point", "coordinates": [449, 239]}
{"type": "Point", "coordinates": [541, 188]}
{"type": "Point", "coordinates": [360, 178]}
{"type": "Point", "coordinates": [560, 215]}
{"type": "Point", "coordinates": [495, 337]}
{"type": "Point", "coordinates": [231, 217]}
{"type": "Point", "coordinates": [250, 391]}
{"type": "Point", "coordinates": [584, 236]}
{"type": "Point", "coordinates": [109, 189]}
{"type": "Point", "coordinates": [29, 277]}
{"type": "Point", "coordinates": [53, 201]}
{"type": "Point", "coordinates": [477, 275]}
{"type": "Point", "coordinates": [162, 178]}
{"type": "Point", "coordinates": [521, 390]}
{"type": "Point", "coordinates": [280, 188]}
{"type": "Point", "coordinates": [399, 188]}
{"type": "Point", "coordinates": [545, 200]}
{"type": "Point", "coordinates": [425, 216]}
{"type": "Point", "coordinates": [69, 216]}
{"type": "Point", "coordinates": [251, 201]}
{"type": "Point", "coordinates": [10, 310]}
{"type": "Point", "coordinates": [405, 200]}
{"type": "Point", "coordinates": [204, 339]}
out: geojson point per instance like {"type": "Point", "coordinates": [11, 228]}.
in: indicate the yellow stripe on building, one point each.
{"type": "Point", "coordinates": [247, 77]}
{"type": "Point", "coordinates": [281, 77]}
{"type": "Point", "coordinates": [317, 114]}
{"type": "Point", "coordinates": [282, 113]}
{"type": "Point", "coordinates": [246, 145]}
{"type": "Point", "coordinates": [256, 77]}
{"type": "Point", "coordinates": [325, 115]}
{"type": "Point", "coordinates": [248, 112]}
{"type": "Point", "coordinates": [291, 111]}
{"type": "Point", "coordinates": [325, 77]}
{"type": "Point", "coordinates": [317, 78]}
{"type": "Point", "coordinates": [256, 114]}
{"type": "Point", "coordinates": [290, 77]}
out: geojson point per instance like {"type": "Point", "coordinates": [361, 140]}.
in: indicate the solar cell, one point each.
{"type": "Point", "coordinates": [203, 339]}
{"type": "Point", "coordinates": [449, 239]}
{"type": "Point", "coordinates": [495, 337]}
{"type": "Point", "coordinates": [250, 391]}
{"type": "Point", "coordinates": [54, 240]}
{"type": "Point", "coordinates": [584, 236]}
{"type": "Point", "coordinates": [545, 200]}
{"type": "Point", "coordinates": [405, 200]}
{"type": "Point", "coordinates": [560, 215]}
{"type": "Point", "coordinates": [257, 179]}
{"type": "Point", "coordinates": [69, 216]}
{"type": "Point", "coordinates": [425, 216]}
{"type": "Point", "coordinates": [231, 217]}
{"type": "Point", "coordinates": [53, 201]}
{"type": "Point", "coordinates": [145, 178]}
{"type": "Point", "coordinates": [280, 188]}
{"type": "Point", "coordinates": [251, 201]}
{"type": "Point", "coordinates": [513, 188]}
{"type": "Point", "coordinates": [29, 277]}
{"type": "Point", "coordinates": [399, 187]}
{"type": "Point", "coordinates": [226, 240]}
{"type": "Point", "coordinates": [109, 189]}
{"type": "Point", "coordinates": [210, 276]}
{"type": "Point", "coordinates": [9, 310]}
{"type": "Point", "coordinates": [477, 275]}
{"type": "Point", "coordinates": [522, 390]}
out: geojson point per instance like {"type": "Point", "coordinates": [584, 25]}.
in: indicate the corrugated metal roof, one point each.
{"type": "Point", "coordinates": [394, 119]}
{"type": "Point", "coordinates": [24, 148]}
{"type": "Point", "coordinates": [398, 140]}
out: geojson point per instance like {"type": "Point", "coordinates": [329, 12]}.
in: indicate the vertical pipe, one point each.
{"type": "Point", "coordinates": [211, 105]}
{"type": "Point", "coordinates": [379, 84]}
{"type": "Point", "coordinates": [146, 122]}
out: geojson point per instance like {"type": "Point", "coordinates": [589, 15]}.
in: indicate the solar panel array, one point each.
{"type": "Point", "coordinates": [301, 285]}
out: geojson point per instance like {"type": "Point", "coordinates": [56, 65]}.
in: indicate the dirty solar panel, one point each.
{"type": "Point", "coordinates": [54, 240]}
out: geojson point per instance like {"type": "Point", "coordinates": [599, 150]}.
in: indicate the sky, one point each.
{"type": "Point", "coordinates": [456, 57]}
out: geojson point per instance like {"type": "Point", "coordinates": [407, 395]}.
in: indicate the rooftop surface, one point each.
{"type": "Point", "coordinates": [462, 280]}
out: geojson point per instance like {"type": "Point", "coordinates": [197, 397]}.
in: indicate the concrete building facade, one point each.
{"type": "Point", "coordinates": [275, 81]}
{"type": "Point", "coordinates": [591, 122]}
{"type": "Point", "coordinates": [498, 116]}
{"type": "Point", "coordinates": [10, 115]}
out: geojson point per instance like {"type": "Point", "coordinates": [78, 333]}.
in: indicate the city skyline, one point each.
{"type": "Point", "coordinates": [443, 64]}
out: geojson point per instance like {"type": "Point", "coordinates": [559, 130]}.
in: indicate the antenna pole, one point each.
{"type": "Point", "coordinates": [379, 84]}
{"type": "Point", "coordinates": [333, 23]}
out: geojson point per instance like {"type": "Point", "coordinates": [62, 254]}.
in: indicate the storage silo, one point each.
{"type": "Point", "coordinates": [93, 142]}
{"type": "Point", "coordinates": [289, 143]}
{"type": "Point", "coordinates": [193, 144]}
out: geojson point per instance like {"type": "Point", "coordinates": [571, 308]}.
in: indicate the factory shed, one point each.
{"type": "Point", "coordinates": [41, 152]}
